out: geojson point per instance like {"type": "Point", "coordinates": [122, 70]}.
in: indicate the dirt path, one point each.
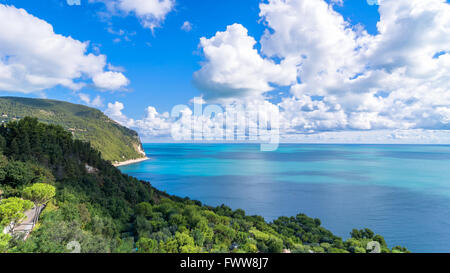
{"type": "Point", "coordinates": [28, 224]}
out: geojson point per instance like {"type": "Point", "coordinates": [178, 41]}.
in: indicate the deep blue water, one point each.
{"type": "Point", "coordinates": [399, 191]}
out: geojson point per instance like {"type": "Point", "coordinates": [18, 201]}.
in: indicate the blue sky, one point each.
{"type": "Point", "coordinates": [164, 65]}
{"type": "Point", "coordinates": [159, 65]}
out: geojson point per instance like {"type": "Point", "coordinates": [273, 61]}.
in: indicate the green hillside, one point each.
{"type": "Point", "coordinates": [115, 142]}
{"type": "Point", "coordinates": [107, 211]}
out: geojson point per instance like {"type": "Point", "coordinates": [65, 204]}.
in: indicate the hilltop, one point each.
{"type": "Point", "coordinates": [114, 141]}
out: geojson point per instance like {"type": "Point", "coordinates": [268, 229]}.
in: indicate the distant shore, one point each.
{"type": "Point", "coordinates": [131, 161]}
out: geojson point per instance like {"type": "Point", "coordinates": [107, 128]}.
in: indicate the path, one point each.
{"type": "Point", "coordinates": [28, 224]}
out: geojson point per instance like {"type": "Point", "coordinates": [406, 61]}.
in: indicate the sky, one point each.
{"type": "Point", "coordinates": [345, 71]}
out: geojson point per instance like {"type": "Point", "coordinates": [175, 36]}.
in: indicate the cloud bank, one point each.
{"type": "Point", "coordinates": [397, 79]}
{"type": "Point", "coordinates": [33, 57]}
{"type": "Point", "coordinates": [339, 77]}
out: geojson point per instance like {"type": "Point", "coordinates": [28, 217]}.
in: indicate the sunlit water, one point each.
{"type": "Point", "coordinates": [400, 191]}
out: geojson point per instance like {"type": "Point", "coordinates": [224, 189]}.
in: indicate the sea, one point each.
{"type": "Point", "coordinates": [401, 192]}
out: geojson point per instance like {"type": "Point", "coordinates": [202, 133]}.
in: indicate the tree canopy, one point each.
{"type": "Point", "coordinates": [11, 210]}
{"type": "Point", "coordinates": [107, 211]}
{"type": "Point", "coordinates": [39, 193]}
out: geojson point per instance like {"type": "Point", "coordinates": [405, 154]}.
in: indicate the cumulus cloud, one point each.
{"type": "Point", "coordinates": [110, 80]}
{"type": "Point", "coordinates": [96, 102]}
{"type": "Point", "coordinates": [153, 124]}
{"type": "Point", "coordinates": [187, 26]}
{"type": "Point", "coordinates": [340, 77]}
{"type": "Point", "coordinates": [208, 124]}
{"type": "Point", "coordinates": [114, 111]}
{"type": "Point", "coordinates": [197, 100]}
{"type": "Point", "coordinates": [34, 58]}
{"type": "Point", "coordinates": [346, 86]}
{"type": "Point", "coordinates": [151, 13]}
{"type": "Point", "coordinates": [238, 122]}
{"type": "Point", "coordinates": [234, 68]}
{"type": "Point", "coordinates": [311, 29]}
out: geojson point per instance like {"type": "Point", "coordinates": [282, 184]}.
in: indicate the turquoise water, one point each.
{"type": "Point", "coordinates": [400, 191]}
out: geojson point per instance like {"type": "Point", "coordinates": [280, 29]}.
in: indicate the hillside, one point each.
{"type": "Point", "coordinates": [115, 142]}
{"type": "Point", "coordinates": [106, 211]}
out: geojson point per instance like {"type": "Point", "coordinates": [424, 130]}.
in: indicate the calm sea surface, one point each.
{"type": "Point", "coordinates": [400, 191]}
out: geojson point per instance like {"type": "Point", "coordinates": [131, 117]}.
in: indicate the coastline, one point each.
{"type": "Point", "coordinates": [131, 161]}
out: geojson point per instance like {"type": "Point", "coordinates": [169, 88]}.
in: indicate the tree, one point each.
{"type": "Point", "coordinates": [11, 210]}
{"type": "Point", "coordinates": [16, 174]}
{"type": "Point", "coordinates": [109, 210]}
{"type": "Point", "coordinates": [380, 239]}
{"type": "Point", "coordinates": [39, 193]}
{"type": "Point", "coordinates": [368, 233]}
{"type": "Point", "coordinates": [144, 209]}
{"type": "Point", "coordinates": [4, 242]}
{"type": "Point", "coordinates": [2, 145]}
{"type": "Point", "coordinates": [356, 234]}
{"type": "Point", "coordinates": [275, 245]}
{"type": "Point", "coordinates": [186, 243]}
{"type": "Point", "coordinates": [147, 245]}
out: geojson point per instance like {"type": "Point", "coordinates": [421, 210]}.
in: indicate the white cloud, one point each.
{"type": "Point", "coordinates": [153, 124]}
{"type": "Point", "coordinates": [110, 80]}
{"type": "Point", "coordinates": [338, 2]}
{"type": "Point", "coordinates": [73, 2]}
{"type": "Point", "coordinates": [346, 65]}
{"type": "Point", "coordinates": [352, 87]}
{"type": "Point", "coordinates": [34, 58]}
{"type": "Point", "coordinates": [151, 13]}
{"type": "Point", "coordinates": [293, 128]}
{"type": "Point", "coordinates": [347, 86]}
{"type": "Point", "coordinates": [114, 111]}
{"type": "Point", "coordinates": [115, 68]}
{"type": "Point", "coordinates": [398, 79]}
{"type": "Point", "coordinates": [121, 34]}
{"type": "Point", "coordinates": [197, 100]}
{"type": "Point", "coordinates": [415, 136]}
{"type": "Point", "coordinates": [187, 26]}
{"type": "Point", "coordinates": [312, 30]}
{"type": "Point", "coordinates": [96, 102]}
{"type": "Point", "coordinates": [233, 67]}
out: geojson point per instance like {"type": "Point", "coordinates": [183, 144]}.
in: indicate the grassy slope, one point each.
{"type": "Point", "coordinates": [115, 142]}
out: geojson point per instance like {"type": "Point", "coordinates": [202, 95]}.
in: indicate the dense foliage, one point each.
{"type": "Point", "coordinates": [115, 142]}
{"type": "Point", "coordinates": [107, 211]}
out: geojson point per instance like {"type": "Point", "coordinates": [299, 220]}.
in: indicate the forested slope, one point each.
{"type": "Point", "coordinates": [115, 142]}
{"type": "Point", "coordinates": [106, 211]}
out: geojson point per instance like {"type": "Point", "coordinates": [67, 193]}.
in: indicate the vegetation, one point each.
{"type": "Point", "coordinates": [11, 210]}
{"type": "Point", "coordinates": [115, 142]}
{"type": "Point", "coordinates": [107, 211]}
{"type": "Point", "coordinates": [39, 193]}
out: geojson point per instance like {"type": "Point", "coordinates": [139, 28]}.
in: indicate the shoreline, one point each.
{"type": "Point", "coordinates": [131, 161]}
